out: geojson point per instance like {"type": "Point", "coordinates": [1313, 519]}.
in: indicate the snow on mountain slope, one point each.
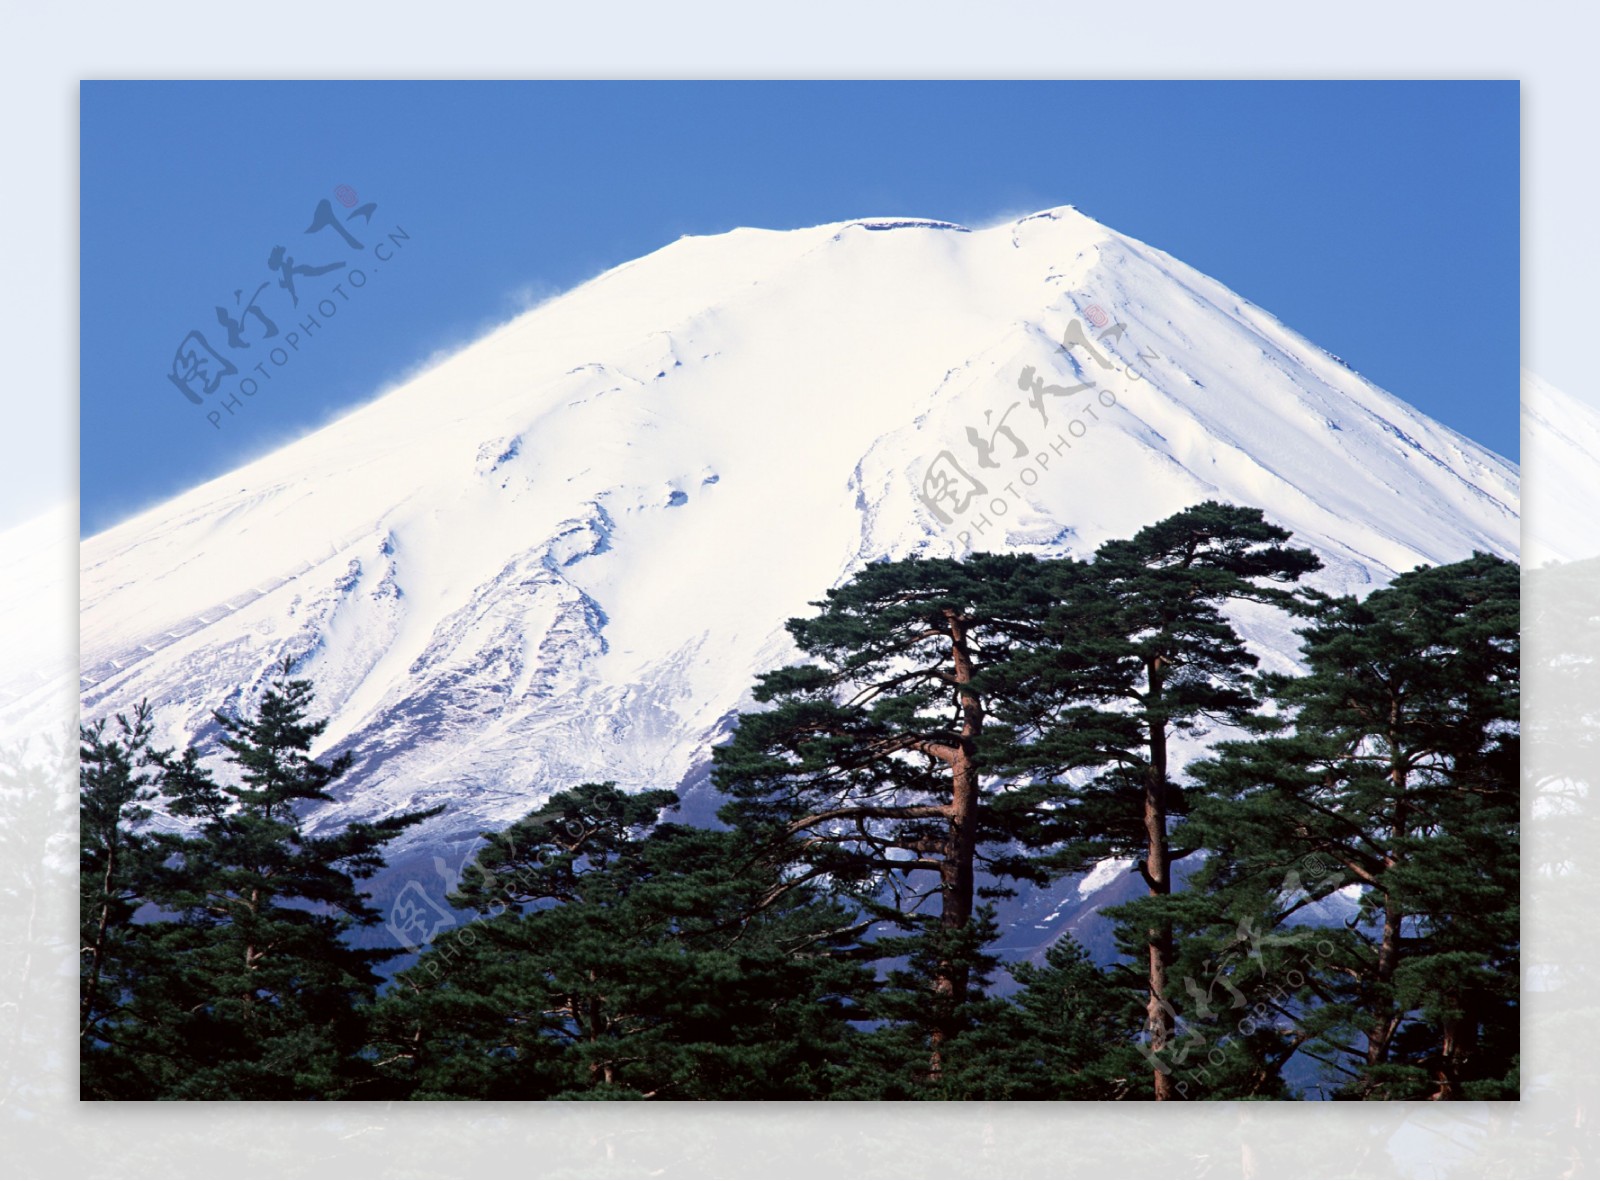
{"type": "Point", "coordinates": [35, 611]}
{"type": "Point", "coordinates": [564, 553]}
{"type": "Point", "coordinates": [1561, 444]}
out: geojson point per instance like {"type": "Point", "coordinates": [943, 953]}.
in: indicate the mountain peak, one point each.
{"type": "Point", "coordinates": [903, 223]}
{"type": "Point", "coordinates": [564, 553]}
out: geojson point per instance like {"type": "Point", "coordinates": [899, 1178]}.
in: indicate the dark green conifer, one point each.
{"type": "Point", "coordinates": [1138, 651]}
{"type": "Point", "coordinates": [873, 768]}
{"type": "Point", "coordinates": [1396, 769]}
{"type": "Point", "coordinates": [118, 772]}
{"type": "Point", "coordinates": [621, 958]}
{"type": "Point", "coordinates": [248, 987]}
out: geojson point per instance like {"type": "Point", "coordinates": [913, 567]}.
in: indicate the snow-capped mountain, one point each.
{"type": "Point", "coordinates": [564, 553]}
{"type": "Point", "coordinates": [1561, 444]}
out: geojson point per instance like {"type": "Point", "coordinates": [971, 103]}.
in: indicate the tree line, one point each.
{"type": "Point", "coordinates": [1329, 888]}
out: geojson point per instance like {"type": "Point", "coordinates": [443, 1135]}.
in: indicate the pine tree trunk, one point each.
{"type": "Point", "coordinates": [1158, 876]}
{"type": "Point", "coordinates": [1460, 1042]}
{"type": "Point", "coordinates": [1386, 1019]}
{"type": "Point", "coordinates": [956, 874]}
{"type": "Point", "coordinates": [250, 955]}
{"type": "Point", "coordinates": [97, 955]}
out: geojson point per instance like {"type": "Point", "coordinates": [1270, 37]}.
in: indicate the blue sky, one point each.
{"type": "Point", "coordinates": [1379, 219]}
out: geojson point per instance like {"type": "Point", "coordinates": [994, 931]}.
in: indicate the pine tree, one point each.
{"type": "Point", "coordinates": [1079, 1027]}
{"type": "Point", "coordinates": [623, 958]}
{"type": "Point", "coordinates": [868, 772]}
{"type": "Point", "coordinates": [1396, 766]}
{"type": "Point", "coordinates": [1137, 652]}
{"type": "Point", "coordinates": [1069, 1032]}
{"type": "Point", "coordinates": [891, 1061]}
{"type": "Point", "coordinates": [118, 771]}
{"type": "Point", "coordinates": [248, 987]}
